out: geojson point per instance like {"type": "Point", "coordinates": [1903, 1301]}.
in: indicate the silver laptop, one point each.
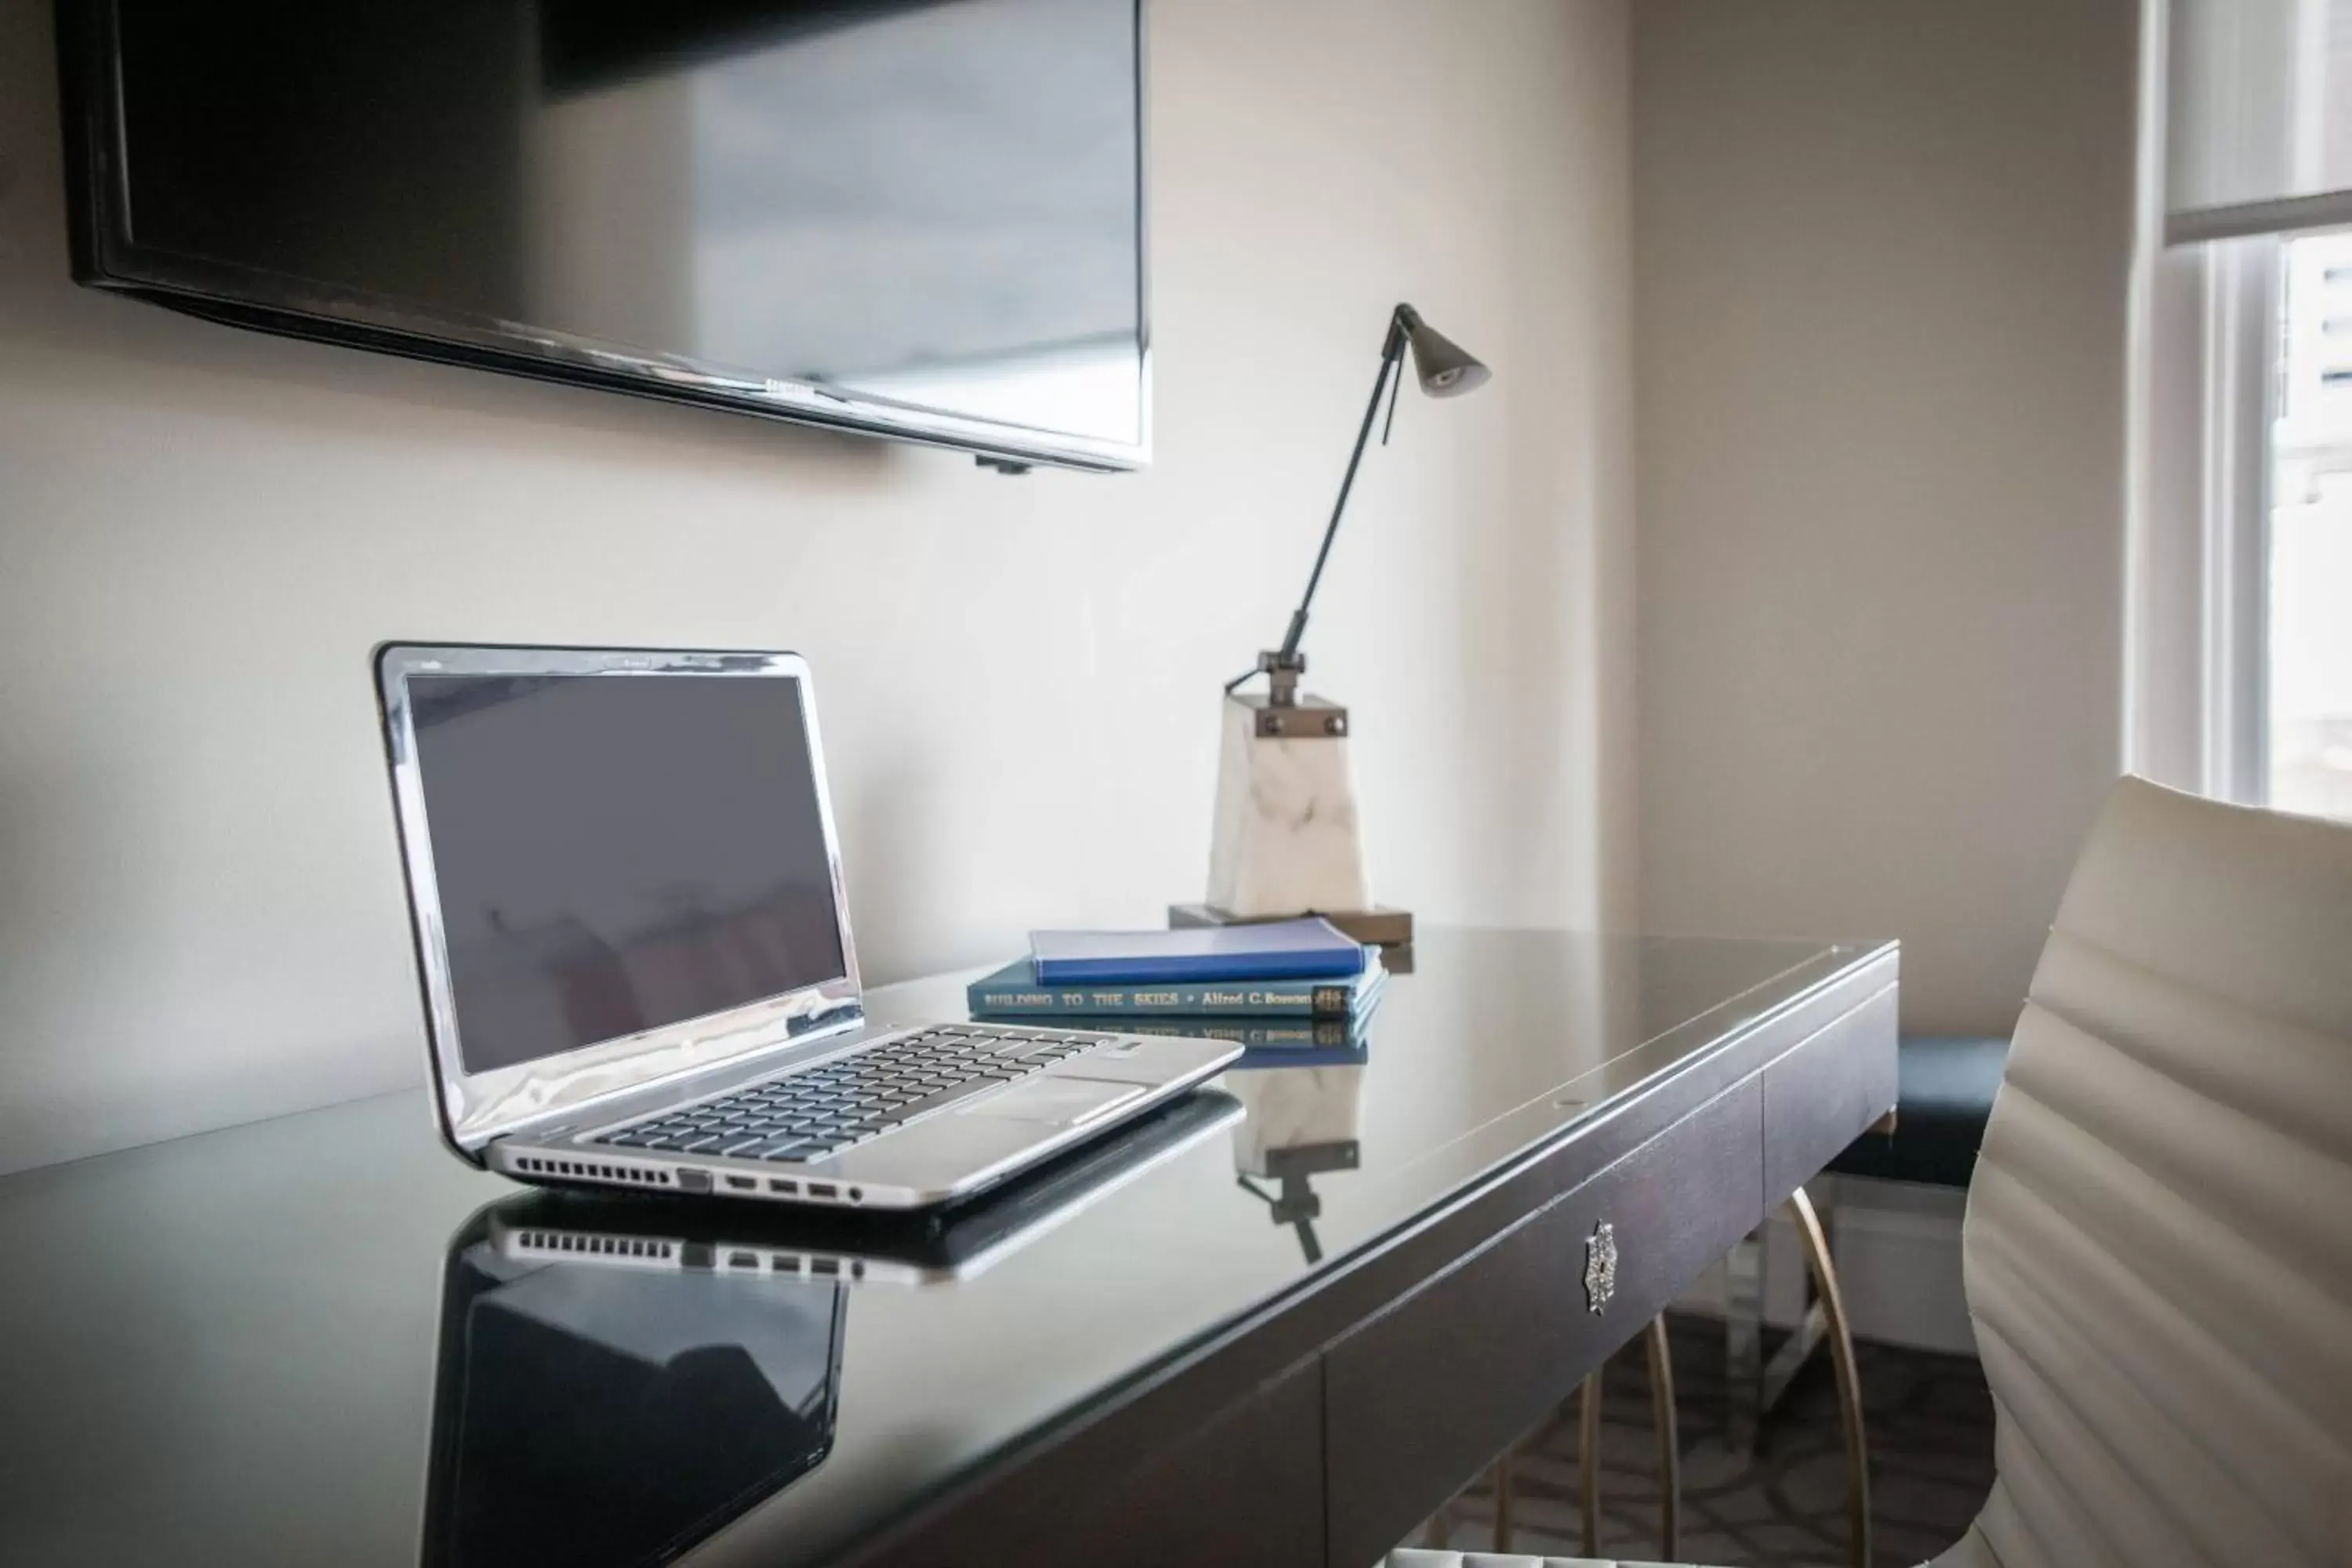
{"type": "Point", "coordinates": [904, 1249]}
{"type": "Point", "coordinates": [626, 895]}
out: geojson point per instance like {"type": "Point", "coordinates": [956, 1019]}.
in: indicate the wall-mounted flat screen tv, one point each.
{"type": "Point", "coordinates": [919, 218]}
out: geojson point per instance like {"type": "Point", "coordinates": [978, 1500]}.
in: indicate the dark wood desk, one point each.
{"type": "Point", "coordinates": [297, 1342]}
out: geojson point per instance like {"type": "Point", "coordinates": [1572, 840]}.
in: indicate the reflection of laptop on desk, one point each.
{"type": "Point", "coordinates": [602, 1419]}
{"type": "Point", "coordinates": [653, 1235]}
{"type": "Point", "coordinates": [629, 917]}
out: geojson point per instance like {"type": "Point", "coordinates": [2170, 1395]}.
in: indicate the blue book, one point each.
{"type": "Point", "coordinates": [1308, 949]}
{"type": "Point", "coordinates": [1015, 992]}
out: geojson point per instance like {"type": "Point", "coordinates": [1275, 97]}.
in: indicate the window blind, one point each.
{"type": "Point", "coordinates": [2258, 122]}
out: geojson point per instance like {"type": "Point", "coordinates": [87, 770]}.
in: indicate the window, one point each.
{"type": "Point", "coordinates": [2239, 667]}
{"type": "Point", "coordinates": [2308, 643]}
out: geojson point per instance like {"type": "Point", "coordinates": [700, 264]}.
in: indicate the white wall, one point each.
{"type": "Point", "coordinates": [1882, 251]}
{"type": "Point", "coordinates": [204, 532]}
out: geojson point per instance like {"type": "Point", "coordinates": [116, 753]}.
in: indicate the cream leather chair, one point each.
{"type": "Point", "coordinates": [2158, 1242]}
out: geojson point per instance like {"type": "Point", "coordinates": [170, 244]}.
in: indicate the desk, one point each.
{"type": "Point", "coordinates": [230, 1348]}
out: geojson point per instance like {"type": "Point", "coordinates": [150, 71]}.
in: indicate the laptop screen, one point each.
{"type": "Point", "coordinates": [618, 853]}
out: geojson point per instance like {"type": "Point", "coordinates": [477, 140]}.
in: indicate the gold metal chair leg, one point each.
{"type": "Point", "coordinates": [1849, 1382]}
{"type": "Point", "coordinates": [1670, 1453]}
{"type": "Point", "coordinates": [1503, 1502]}
{"type": "Point", "coordinates": [1587, 1458]}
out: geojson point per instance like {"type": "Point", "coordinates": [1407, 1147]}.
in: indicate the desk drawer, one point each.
{"type": "Point", "coordinates": [1427, 1392]}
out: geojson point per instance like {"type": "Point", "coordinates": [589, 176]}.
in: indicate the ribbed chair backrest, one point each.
{"type": "Point", "coordinates": [2159, 1244]}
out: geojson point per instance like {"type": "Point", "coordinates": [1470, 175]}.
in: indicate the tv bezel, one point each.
{"type": "Point", "coordinates": [105, 257]}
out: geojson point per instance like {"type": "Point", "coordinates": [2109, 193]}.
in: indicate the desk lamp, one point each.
{"type": "Point", "coordinates": [1287, 839]}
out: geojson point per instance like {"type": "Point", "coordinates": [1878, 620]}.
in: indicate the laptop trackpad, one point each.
{"type": "Point", "coordinates": [1056, 1102]}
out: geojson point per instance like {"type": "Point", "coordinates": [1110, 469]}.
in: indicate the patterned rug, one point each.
{"type": "Point", "coordinates": [1930, 1419]}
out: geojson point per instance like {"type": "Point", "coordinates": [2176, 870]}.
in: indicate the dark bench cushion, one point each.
{"type": "Point", "coordinates": [1945, 1088]}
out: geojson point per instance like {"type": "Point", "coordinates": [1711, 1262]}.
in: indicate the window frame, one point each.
{"type": "Point", "coordinates": [2198, 555]}
{"type": "Point", "coordinates": [2204, 344]}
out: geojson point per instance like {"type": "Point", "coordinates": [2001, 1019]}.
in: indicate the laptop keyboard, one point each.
{"type": "Point", "coordinates": [822, 1110]}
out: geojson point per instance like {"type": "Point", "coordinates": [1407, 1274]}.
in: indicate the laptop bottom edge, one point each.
{"type": "Point", "coordinates": [945, 1158]}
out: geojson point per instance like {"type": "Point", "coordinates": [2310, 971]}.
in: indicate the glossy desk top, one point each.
{"type": "Point", "coordinates": [303, 1340]}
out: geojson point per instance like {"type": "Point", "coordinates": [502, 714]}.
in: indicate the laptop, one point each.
{"type": "Point", "coordinates": [633, 945]}
{"type": "Point", "coordinates": [590, 1229]}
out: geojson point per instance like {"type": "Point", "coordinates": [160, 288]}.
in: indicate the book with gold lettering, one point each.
{"type": "Point", "coordinates": [1014, 992]}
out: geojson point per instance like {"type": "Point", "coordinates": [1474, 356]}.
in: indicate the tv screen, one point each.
{"type": "Point", "coordinates": [917, 218]}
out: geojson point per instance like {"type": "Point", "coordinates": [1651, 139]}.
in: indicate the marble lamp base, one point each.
{"type": "Point", "coordinates": [1287, 838]}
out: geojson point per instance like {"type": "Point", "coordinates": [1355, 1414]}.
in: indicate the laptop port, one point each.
{"type": "Point", "coordinates": [823, 1190]}
{"type": "Point", "coordinates": [694, 1181]}
{"type": "Point", "coordinates": [742, 1260]}
{"type": "Point", "coordinates": [824, 1266]}
{"type": "Point", "coordinates": [783, 1186]}
{"type": "Point", "coordinates": [744, 1184]}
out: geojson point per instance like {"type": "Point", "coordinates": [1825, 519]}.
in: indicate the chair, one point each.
{"type": "Point", "coordinates": [1945, 1087]}
{"type": "Point", "coordinates": [1944, 1093]}
{"type": "Point", "coordinates": [2157, 1250]}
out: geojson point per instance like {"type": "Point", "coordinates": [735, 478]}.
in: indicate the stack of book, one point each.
{"type": "Point", "coordinates": [1291, 984]}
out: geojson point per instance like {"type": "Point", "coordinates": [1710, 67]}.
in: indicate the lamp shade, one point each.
{"type": "Point", "coordinates": [1444, 367]}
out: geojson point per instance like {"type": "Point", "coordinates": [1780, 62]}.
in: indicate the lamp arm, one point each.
{"type": "Point", "coordinates": [1392, 360]}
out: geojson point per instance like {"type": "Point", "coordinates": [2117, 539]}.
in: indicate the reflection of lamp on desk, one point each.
{"type": "Point", "coordinates": [1287, 839]}
{"type": "Point", "coordinates": [1299, 1122]}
